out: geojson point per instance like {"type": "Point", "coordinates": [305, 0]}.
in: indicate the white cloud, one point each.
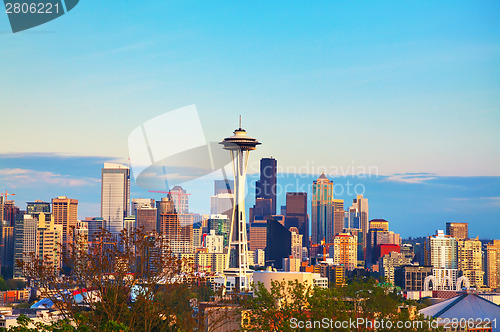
{"type": "Point", "coordinates": [411, 178]}
{"type": "Point", "coordinates": [17, 177]}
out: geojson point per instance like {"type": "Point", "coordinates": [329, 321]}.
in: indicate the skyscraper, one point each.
{"type": "Point", "coordinates": [1, 210]}
{"type": "Point", "coordinates": [240, 146]}
{"type": "Point", "coordinates": [459, 230]}
{"type": "Point", "coordinates": [493, 264]}
{"type": "Point", "coordinates": [338, 216]}
{"type": "Point", "coordinates": [115, 196]}
{"type": "Point", "coordinates": [146, 218]}
{"type": "Point", "coordinates": [65, 211]}
{"type": "Point", "coordinates": [361, 206]}
{"type": "Point", "coordinates": [322, 210]}
{"type": "Point", "coordinates": [470, 261]}
{"type": "Point", "coordinates": [442, 256]}
{"type": "Point", "coordinates": [223, 187]}
{"type": "Point", "coordinates": [222, 204]}
{"type": "Point", "coordinates": [181, 199]}
{"type": "Point", "coordinates": [296, 214]}
{"type": "Point", "coordinates": [381, 224]}
{"type": "Point", "coordinates": [49, 237]}
{"type": "Point", "coordinates": [266, 187]}
{"type": "Point", "coordinates": [279, 244]}
{"type": "Point", "coordinates": [138, 202]}
{"type": "Point", "coordinates": [345, 250]}
{"type": "Point", "coordinates": [25, 241]}
{"type": "Point", "coordinates": [37, 207]}
{"type": "Point", "coordinates": [262, 209]}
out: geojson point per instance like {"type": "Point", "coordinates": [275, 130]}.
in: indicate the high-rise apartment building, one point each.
{"type": "Point", "coordinates": [389, 262]}
{"type": "Point", "coordinates": [296, 214]}
{"type": "Point", "coordinates": [442, 251]}
{"type": "Point", "coordinates": [65, 212]}
{"type": "Point", "coordinates": [493, 264]}
{"type": "Point", "coordinates": [214, 243]}
{"type": "Point", "coordinates": [322, 210]}
{"type": "Point", "coordinates": [459, 230]}
{"type": "Point", "coordinates": [115, 196]}
{"type": "Point", "coordinates": [411, 277]}
{"type": "Point", "coordinates": [359, 244]}
{"type": "Point", "coordinates": [266, 187]}
{"type": "Point", "coordinates": [470, 261]}
{"type": "Point", "coordinates": [49, 236]}
{"type": "Point", "coordinates": [257, 235]}
{"type": "Point", "coordinates": [442, 256]}
{"type": "Point", "coordinates": [146, 218]}
{"type": "Point", "coordinates": [345, 250]}
{"type": "Point", "coordinates": [81, 236]}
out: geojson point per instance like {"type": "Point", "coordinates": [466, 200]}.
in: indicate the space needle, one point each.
{"type": "Point", "coordinates": [240, 145]}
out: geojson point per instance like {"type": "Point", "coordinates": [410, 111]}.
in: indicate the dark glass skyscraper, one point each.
{"type": "Point", "coordinates": [279, 243]}
{"type": "Point", "coordinates": [296, 215]}
{"type": "Point", "coordinates": [266, 187]}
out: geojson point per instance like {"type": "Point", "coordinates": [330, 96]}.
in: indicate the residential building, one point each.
{"type": "Point", "coordinates": [345, 250]}
{"type": "Point", "coordinates": [411, 277]}
{"type": "Point", "coordinates": [389, 262]}
{"type": "Point", "coordinates": [470, 261]}
{"type": "Point", "coordinates": [459, 230]}
{"type": "Point", "coordinates": [65, 212]}
{"type": "Point", "coordinates": [493, 264]}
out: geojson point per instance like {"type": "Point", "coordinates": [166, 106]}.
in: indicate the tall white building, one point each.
{"type": "Point", "coordinates": [222, 204]}
{"type": "Point", "coordinates": [115, 196]}
{"type": "Point", "coordinates": [214, 243]}
{"type": "Point", "coordinates": [442, 256]}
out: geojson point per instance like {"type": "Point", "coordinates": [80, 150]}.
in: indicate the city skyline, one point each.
{"type": "Point", "coordinates": [472, 204]}
{"type": "Point", "coordinates": [366, 189]}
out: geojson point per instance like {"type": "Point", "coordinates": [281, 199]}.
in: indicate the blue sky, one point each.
{"type": "Point", "coordinates": [407, 87]}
